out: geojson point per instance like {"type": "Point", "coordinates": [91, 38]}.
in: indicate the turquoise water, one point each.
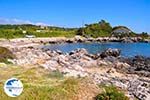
{"type": "Point", "coordinates": [127, 49]}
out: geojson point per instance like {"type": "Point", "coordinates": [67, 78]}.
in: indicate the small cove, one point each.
{"type": "Point", "coordinates": [127, 49]}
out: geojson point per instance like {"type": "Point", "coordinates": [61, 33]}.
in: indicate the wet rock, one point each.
{"type": "Point", "coordinates": [80, 40]}
{"type": "Point", "coordinates": [139, 65]}
{"type": "Point", "coordinates": [59, 52]}
{"type": "Point", "coordinates": [70, 41]}
{"type": "Point", "coordinates": [81, 51]}
{"type": "Point", "coordinates": [147, 41]}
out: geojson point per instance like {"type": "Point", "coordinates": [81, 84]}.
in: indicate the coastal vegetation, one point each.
{"type": "Point", "coordinates": [40, 84]}
{"type": "Point", "coordinates": [99, 29]}
{"type": "Point", "coordinates": [20, 31]}
{"type": "Point", "coordinates": [50, 75]}
{"type": "Point", "coordinates": [111, 93]}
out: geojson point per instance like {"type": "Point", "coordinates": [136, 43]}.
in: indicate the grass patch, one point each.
{"type": "Point", "coordinates": [37, 86]}
{"type": "Point", "coordinates": [55, 34]}
{"type": "Point", "coordinates": [55, 74]}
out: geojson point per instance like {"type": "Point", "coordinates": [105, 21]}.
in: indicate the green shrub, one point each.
{"type": "Point", "coordinates": [5, 54]}
{"type": "Point", "coordinates": [111, 93]}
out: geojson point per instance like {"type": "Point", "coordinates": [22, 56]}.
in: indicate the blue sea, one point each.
{"type": "Point", "coordinates": [127, 49]}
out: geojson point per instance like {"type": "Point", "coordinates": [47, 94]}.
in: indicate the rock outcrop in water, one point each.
{"type": "Point", "coordinates": [110, 52]}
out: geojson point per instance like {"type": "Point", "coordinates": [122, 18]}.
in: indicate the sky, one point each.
{"type": "Point", "coordinates": [134, 14]}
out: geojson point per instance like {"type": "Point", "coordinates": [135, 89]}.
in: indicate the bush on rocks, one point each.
{"type": "Point", "coordinates": [5, 54]}
{"type": "Point", "coordinates": [111, 93]}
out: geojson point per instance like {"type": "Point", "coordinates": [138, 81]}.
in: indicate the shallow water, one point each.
{"type": "Point", "coordinates": [127, 49]}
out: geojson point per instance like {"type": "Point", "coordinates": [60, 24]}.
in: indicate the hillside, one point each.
{"type": "Point", "coordinates": [99, 29]}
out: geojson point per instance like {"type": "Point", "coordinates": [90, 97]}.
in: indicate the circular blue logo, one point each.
{"type": "Point", "coordinates": [13, 87]}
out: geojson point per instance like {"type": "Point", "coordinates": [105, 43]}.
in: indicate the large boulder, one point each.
{"type": "Point", "coordinates": [110, 52]}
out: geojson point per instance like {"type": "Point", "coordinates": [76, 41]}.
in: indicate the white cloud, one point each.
{"type": "Point", "coordinates": [18, 21]}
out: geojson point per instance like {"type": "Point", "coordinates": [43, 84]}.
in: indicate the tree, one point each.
{"type": "Point", "coordinates": [144, 35]}
{"type": "Point", "coordinates": [101, 28]}
{"type": "Point", "coordinates": [80, 31]}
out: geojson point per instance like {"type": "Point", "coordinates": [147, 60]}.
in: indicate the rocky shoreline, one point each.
{"type": "Point", "coordinates": [26, 42]}
{"type": "Point", "coordinates": [108, 67]}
